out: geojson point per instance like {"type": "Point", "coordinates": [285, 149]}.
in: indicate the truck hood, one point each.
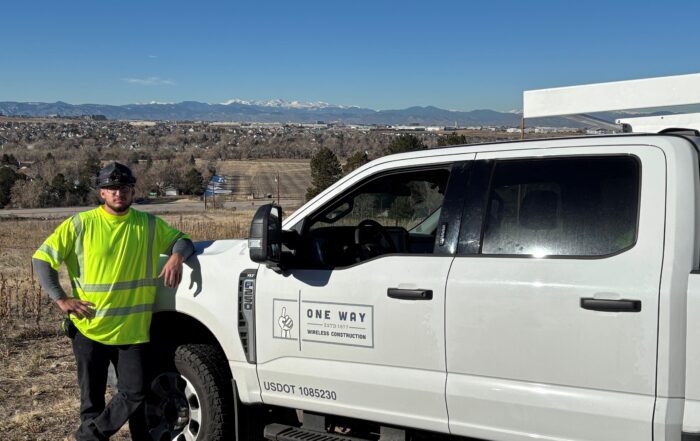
{"type": "Point", "coordinates": [212, 271]}
{"type": "Point", "coordinates": [218, 247]}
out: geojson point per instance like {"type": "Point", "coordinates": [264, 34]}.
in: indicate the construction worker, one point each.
{"type": "Point", "coordinates": [111, 253]}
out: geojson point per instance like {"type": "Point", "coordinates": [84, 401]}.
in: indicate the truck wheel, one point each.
{"type": "Point", "coordinates": [192, 400]}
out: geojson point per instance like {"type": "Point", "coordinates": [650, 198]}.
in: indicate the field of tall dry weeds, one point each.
{"type": "Point", "coordinates": [38, 392]}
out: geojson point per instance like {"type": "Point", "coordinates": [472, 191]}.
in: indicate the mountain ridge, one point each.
{"type": "Point", "coordinates": [281, 111]}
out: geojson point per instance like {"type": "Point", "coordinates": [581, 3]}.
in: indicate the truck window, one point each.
{"type": "Point", "coordinates": [585, 206]}
{"type": "Point", "coordinates": [391, 213]}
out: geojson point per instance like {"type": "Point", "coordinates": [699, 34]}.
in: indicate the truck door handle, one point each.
{"type": "Point", "coordinates": [623, 305]}
{"type": "Point", "coordinates": [410, 294]}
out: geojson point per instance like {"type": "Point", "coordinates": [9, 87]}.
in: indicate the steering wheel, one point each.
{"type": "Point", "coordinates": [368, 235]}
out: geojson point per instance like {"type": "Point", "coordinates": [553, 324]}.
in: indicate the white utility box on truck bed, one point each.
{"type": "Point", "coordinates": [542, 289]}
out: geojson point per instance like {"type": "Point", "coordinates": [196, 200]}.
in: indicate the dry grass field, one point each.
{"type": "Point", "coordinates": [38, 391]}
{"type": "Point", "coordinates": [258, 177]}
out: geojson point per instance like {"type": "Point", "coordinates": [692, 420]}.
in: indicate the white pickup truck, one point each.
{"type": "Point", "coordinates": [541, 289]}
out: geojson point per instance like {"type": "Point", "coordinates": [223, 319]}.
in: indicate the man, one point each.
{"type": "Point", "coordinates": [111, 254]}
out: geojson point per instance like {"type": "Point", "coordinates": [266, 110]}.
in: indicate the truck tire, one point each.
{"type": "Point", "coordinates": [189, 399]}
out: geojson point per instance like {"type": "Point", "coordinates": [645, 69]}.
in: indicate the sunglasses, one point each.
{"type": "Point", "coordinates": [115, 188]}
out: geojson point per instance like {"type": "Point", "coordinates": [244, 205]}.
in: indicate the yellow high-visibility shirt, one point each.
{"type": "Point", "coordinates": [112, 262]}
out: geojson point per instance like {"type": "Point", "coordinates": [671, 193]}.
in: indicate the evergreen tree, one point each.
{"type": "Point", "coordinates": [405, 143]}
{"type": "Point", "coordinates": [325, 170]}
{"type": "Point", "coordinates": [9, 160]}
{"type": "Point", "coordinates": [401, 209]}
{"type": "Point", "coordinates": [193, 182]}
{"type": "Point", "coordinates": [79, 192]}
{"type": "Point", "coordinates": [8, 177]}
{"type": "Point", "coordinates": [356, 160]}
{"type": "Point", "coordinates": [451, 139]}
{"type": "Point", "coordinates": [91, 167]}
{"type": "Point", "coordinates": [59, 187]}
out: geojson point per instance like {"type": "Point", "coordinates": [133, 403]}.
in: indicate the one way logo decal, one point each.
{"type": "Point", "coordinates": [285, 323]}
{"type": "Point", "coordinates": [285, 320]}
{"type": "Point", "coordinates": [338, 323]}
{"type": "Point", "coordinates": [345, 324]}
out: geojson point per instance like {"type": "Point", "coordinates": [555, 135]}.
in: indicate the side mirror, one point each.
{"type": "Point", "coordinates": [265, 239]}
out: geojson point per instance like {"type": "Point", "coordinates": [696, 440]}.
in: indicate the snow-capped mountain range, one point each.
{"type": "Point", "coordinates": [282, 111]}
{"type": "Point", "coordinates": [284, 104]}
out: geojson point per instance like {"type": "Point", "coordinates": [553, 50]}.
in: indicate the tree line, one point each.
{"type": "Point", "coordinates": [326, 168]}
{"type": "Point", "coordinates": [66, 176]}
{"type": "Point", "coordinates": [56, 183]}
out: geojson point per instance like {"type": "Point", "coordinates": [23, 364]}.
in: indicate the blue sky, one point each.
{"type": "Point", "coordinates": [460, 55]}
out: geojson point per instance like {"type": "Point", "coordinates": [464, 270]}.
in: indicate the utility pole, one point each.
{"type": "Point", "coordinates": [277, 179]}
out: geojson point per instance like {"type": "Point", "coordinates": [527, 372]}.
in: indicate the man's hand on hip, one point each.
{"type": "Point", "coordinates": [172, 271]}
{"type": "Point", "coordinates": [77, 307]}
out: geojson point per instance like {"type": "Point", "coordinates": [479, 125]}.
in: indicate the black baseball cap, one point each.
{"type": "Point", "coordinates": [115, 174]}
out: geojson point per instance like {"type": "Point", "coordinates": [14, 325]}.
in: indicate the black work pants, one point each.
{"type": "Point", "coordinates": [99, 422]}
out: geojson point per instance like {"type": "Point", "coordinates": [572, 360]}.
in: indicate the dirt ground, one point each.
{"type": "Point", "coordinates": [39, 397]}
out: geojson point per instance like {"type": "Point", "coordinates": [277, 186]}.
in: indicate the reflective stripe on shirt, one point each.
{"type": "Point", "coordinates": [118, 286]}
{"type": "Point", "coordinates": [111, 312]}
{"type": "Point", "coordinates": [44, 248]}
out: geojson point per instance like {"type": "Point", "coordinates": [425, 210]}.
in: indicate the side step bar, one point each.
{"type": "Point", "coordinates": [281, 432]}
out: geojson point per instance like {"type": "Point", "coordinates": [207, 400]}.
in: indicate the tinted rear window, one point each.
{"type": "Point", "coordinates": [584, 206]}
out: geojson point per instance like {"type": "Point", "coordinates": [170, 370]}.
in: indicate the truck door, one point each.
{"type": "Point", "coordinates": [552, 300]}
{"type": "Point", "coordinates": [357, 328]}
